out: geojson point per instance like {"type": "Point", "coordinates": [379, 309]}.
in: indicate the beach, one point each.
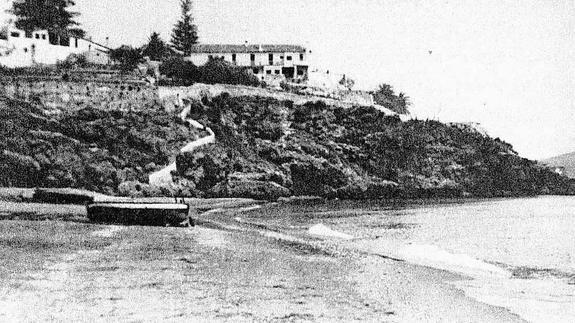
{"type": "Point", "coordinates": [221, 270]}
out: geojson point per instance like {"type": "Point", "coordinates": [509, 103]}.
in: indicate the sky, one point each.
{"type": "Point", "coordinates": [506, 64]}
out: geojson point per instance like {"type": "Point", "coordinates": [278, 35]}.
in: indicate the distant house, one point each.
{"type": "Point", "coordinates": [266, 61]}
{"type": "Point", "coordinates": [20, 49]}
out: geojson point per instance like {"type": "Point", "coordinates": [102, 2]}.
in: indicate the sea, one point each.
{"type": "Point", "coordinates": [515, 253]}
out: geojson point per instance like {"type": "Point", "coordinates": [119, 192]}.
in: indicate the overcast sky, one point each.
{"type": "Point", "coordinates": [507, 64]}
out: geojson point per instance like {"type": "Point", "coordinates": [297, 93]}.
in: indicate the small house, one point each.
{"type": "Point", "coordinates": [266, 61]}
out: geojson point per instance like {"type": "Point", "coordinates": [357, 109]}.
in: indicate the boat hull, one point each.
{"type": "Point", "coordinates": [139, 214]}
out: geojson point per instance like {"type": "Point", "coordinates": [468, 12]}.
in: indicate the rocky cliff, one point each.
{"type": "Point", "coordinates": [269, 148]}
{"type": "Point", "coordinates": [93, 147]}
{"type": "Point", "coordinates": [265, 148]}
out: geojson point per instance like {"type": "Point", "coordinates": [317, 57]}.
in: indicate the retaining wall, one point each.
{"type": "Point", "coordinates": [59, 95]}
{"type": "Point", "coordinates": [198, 91]}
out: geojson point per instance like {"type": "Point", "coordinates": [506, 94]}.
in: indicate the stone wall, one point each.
{"type": "Point", "coordinates": [60, 95]}
{"type": "Point", "coordinates": [198, 91]}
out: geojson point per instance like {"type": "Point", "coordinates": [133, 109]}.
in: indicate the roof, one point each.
{"type": "Point", "coordinates": [224, 48]}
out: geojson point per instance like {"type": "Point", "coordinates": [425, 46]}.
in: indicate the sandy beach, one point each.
{"type": "Point", "coordinates": [219, 271]}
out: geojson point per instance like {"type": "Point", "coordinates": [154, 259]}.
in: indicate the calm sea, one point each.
{"type": "Point", "coordinates": [517, 253]}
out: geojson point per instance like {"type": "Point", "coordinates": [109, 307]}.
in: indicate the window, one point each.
{"type": "Point", "coordinates": [43, 36]}
{"type": "Point", "coordinates": [268, 71]}
{"type": "Point", "coordinates": [282, 57]}
{"type": "Point", "coordinates": [76, 42]}
{"type": "Point", "coordinates": [25, 50]}
{"type": "Point", "coordinates": [234, 58]}
{"type": "Point", "coordinates": [289, 58]}
{"type": "Point", "coordinates": [277, 71]}
{"type": "Point", "coordinates": [210, 57]}
{"type": "Point", "coordinates": [253, 57]}
{"type": "Point", "coordinates": [37, 36]}
{"type": "Point", "coordinates": [301, 57]}
{"type": "Point", "coordinates": [255, 71]}
{"type": "Point", "coordinates": [14, 34]}
{"type": "Point", "coordinates": [28, 34]}
{"type": "Point", "coordinates": [271, 59]}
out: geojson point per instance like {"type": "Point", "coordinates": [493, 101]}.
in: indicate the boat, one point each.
{"type": "Point", "coordinates": [132, 213]}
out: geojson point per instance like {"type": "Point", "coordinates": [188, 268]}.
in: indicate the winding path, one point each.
{"type": "Point", "coordinates": [163, 177]}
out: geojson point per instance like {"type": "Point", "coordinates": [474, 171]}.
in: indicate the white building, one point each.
{"type": "Point", "coordinates": [19, 48]}
{"type": "Point", "coordinates": [266, 61]}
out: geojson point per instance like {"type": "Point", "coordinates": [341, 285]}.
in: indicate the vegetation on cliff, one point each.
{"type": "Point", "coordinates": [265, 149]}
{"type": "Point", "coordinates": [90, 148]}
{"type": "Point", "coordinates": [316, 149]}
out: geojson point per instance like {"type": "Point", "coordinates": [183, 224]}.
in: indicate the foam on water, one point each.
{"type": "Point", "coordinates": [432, 256]}
{"type": "Point", "coordinates": [536, 300]}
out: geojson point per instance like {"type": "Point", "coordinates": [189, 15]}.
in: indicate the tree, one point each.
{"type": "Point", "coordinates": [385, 96]}
{"type": "Point", "coordinates": [347, 82]}
{"type": "Point", "coordinates": [185, 34]}
{"type": "Point", "coordinates": [128, 57]}
{"type": "Point", "coordinates": [52, 15]}
{"type": "Point", "coordinates": [156, 49]}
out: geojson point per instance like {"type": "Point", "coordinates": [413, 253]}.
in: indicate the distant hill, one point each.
{"type": "Point", "coordinates": [565, 160]}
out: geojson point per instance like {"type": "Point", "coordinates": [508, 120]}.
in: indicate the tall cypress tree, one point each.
{"type": "Point", "coordinates": [185, 34]}
{"type": "Point", "coordinates": [52, 15]}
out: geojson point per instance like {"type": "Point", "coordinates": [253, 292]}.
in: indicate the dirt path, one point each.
{"type": "Point", "coordinates": [163, 176]}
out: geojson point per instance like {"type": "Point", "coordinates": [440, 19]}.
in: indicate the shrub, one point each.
{"type": "Point", "coordinates": [73, 61]}
{"type": "Point", "coordinates": [182, 72]}
{"type": "Point", "coordinates": [214, 71]}
{"type": "Point", "coordinates": [219, 71]}
{"type": "Point", "coordinates": [127, 57]}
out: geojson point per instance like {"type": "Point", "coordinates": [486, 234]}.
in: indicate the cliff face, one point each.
{"type": "Point", "coordinates": [91, 148]}
{"type": "Point", "coordinates": [314, 149]}
{"type": "Point", "coordinates": [265, 148]}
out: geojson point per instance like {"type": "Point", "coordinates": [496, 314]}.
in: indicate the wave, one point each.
{"type": "Point", "coordinates": [431, 256]}
{"type": "Point", "coordinates": [525, 272]}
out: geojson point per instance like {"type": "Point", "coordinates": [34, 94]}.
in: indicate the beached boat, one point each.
{"type": "Point", "coordinates": [154, 214]}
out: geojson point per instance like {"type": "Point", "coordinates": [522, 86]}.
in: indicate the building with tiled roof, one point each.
{"type": "Point", "coordinates": [266, 60]}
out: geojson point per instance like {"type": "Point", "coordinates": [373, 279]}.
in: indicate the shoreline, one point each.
{"type": "Point", "coordinates": [395, 278]}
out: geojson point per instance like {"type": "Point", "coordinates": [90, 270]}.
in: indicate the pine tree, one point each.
{"type": "Point", "coordinates": [184, 34]}
{"type": "Point", "coordinates": [51, 15]}
{"type": "Point", "coordinates": [155, 49]}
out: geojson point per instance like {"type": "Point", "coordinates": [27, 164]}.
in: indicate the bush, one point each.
{"type": "Point", "coordinates": [182, 72]}
{"type": "Point", "coordinates": [127, 57]}
{"type": "Point", "coordinates": [214, 71]}
{"type": "Point", "coordinates": [73, 61]}
{"type": "Point", "coordinates": [220, 71]}
{"type": "Point", "coordinates": [385, 96]}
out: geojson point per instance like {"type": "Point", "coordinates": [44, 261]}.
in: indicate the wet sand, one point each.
{"type": "Point", "coordinates": [61, 271]}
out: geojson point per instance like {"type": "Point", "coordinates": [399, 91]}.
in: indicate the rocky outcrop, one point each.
{"type": "Point", "coordinates": [352, 153]}
{"type": "Point", "coordinates": [259, 190]}
{"type": "Point", "coordinates": [92, 147]}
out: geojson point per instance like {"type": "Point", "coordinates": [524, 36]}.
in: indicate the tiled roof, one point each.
{"type": "Point", "coordinates": [223, 48]}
